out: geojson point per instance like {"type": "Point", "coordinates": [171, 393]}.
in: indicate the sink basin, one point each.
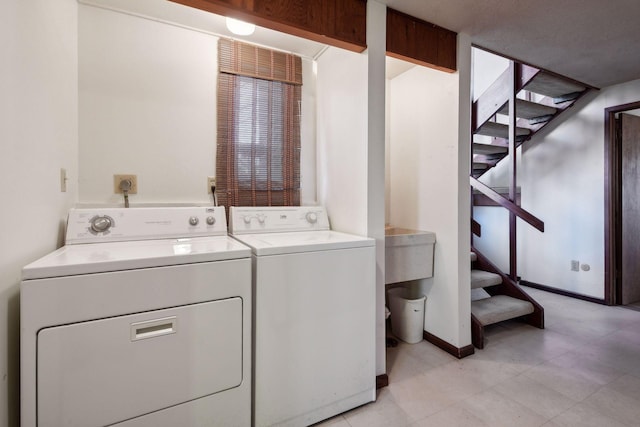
{"type": "Point", "coordinates": [408, 254]}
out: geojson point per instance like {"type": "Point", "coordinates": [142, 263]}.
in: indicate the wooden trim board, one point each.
{"type": "Point", "coordinates": [459, 352]}
{"type": "Point", "coordinates": [382, 381]}
{"type": "Point", "coordinates": [612, 187]}
{"type": "Point", "coordinates": [561, 292]}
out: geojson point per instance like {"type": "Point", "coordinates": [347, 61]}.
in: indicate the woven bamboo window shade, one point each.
{"type": "Point", "coordinates": [258, 150]}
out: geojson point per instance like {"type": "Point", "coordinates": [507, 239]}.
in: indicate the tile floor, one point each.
{"type": "Point", "coordinates": [582, 370]}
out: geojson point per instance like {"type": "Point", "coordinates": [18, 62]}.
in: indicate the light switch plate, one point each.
{"type": "Point", "coordinates": [63, 180]}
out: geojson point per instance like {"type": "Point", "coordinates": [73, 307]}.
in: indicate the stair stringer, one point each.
{"type": "Point", "coordinates": [509, 288]}
{"type": "Point", "coordinates": [496, 98]}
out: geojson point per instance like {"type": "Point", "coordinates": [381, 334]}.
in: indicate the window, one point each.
{"type": "Point", "coordinates": [258, 152]}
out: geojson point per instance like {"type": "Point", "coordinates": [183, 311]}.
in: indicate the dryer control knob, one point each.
{"type": "Point", "coordinates": [246, 219]}
{"type": "Point", "coordinates": [194, 220]}
{"type": "Point", "coordinates": [100, 224]}
{"type": "Point", "coordinates": [261, 218]}
{"type": "Point", "coordinates": [311, 217]}
{"type": "Point", "coordinates": [211, 220]}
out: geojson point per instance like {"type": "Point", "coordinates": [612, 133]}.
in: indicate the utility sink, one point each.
{"type": "Point", "coordinates": [408, 254]}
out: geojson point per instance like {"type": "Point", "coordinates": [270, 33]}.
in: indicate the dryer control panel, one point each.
{"type": "Point", "coordinates": [122, 224]}
{"type": "Point", "coordinates": [271, 219]}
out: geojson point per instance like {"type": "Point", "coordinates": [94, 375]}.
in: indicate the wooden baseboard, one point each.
{"type": "Point", "coordinates": [562, 292]}
{"type": "Point", "coordinates": [459, 352]}
{"type": "Point", "coordinates": [382, 381]}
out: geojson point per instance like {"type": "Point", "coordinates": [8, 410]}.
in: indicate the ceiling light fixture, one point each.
{"type": "Point", "coordinates": [240, 28]}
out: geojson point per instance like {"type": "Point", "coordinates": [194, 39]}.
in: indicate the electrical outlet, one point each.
{"type": "Point", "coordinates": [575, 265]}
{"type": "Point", "coordinates": [117, 179]}
{"type": "Point", "coordinates": [211, 182]}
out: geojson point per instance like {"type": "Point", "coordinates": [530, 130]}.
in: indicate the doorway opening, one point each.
{"type": "Point", "coordinates": [622, 205]}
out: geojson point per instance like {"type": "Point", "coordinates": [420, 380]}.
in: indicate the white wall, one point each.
{"type": "Point", "coordinates": [494, 243]}
{"type": "Point", "coordinates": [308, 134]}
{"type": "Point", "coordinates": [342, 138]}
{"type": "Point", "coordinates": [561, 173]}
{"type": "Point", "coordinates": [148, 107]}
{"type": "Point", "coordinates": [351, 144]}
{"type": "Point", "coordinates": [429, 164]}
{"type": "Point", "coordinates": [376, 146]}
{"type": "Point", "coordinates": [38, 129]}
{"type": "Point", "coordinates": [487, 67]}
{"type": "Point", "coordinates": [351, 147]}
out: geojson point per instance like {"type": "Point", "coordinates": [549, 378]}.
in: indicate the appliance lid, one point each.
{"type": "Point", "coordinates": [302, 241]}
{"type": "Point", "coordinates": [91, 258]}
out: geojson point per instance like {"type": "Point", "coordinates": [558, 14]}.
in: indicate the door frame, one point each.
{"type": "Point", "coordinates": [612, 188]}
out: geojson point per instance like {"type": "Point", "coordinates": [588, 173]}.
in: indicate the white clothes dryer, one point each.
{"type": "Point", "coordinates": [314, 315]}
{"type": "Point", "coordinates": [143, 319]}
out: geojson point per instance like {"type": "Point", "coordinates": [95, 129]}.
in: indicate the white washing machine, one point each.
{"type": "Point", "coordinates": [314, 315]}
{"type": "Point", "coordinates": [143, 318]}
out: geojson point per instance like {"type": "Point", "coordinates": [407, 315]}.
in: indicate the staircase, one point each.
{"type": "Point", "coordinates": [540, 97]}
{"type": "Point", "coordinates": [496, 298]}
{"type": "Point", "coordinates": [509, 113]}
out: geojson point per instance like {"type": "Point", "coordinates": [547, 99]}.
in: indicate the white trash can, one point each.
{"type": "Point", "coordinates": [407, 315]}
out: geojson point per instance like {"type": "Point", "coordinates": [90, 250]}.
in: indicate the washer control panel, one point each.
{"type": "Point", "coordinates": [245, 220]}
{"type": "Point", "coordinates": [122, 224]}
{"type": "Point", "coordinates": [100, 224]}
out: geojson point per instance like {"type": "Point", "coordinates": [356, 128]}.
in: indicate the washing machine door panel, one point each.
{"type": "Point", "coordinates": [314, 335]}
{"type": "Point", "coordinates": [105, 371]}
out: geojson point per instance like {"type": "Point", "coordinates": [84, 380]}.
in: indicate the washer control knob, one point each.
{"type": "Point", "coordinates": [246, 219]}
{"type": "Point", "coordinates": [261, 218]}
{"type": "Point", "coordinates": [211, 220]}
{"type": "Point", "coordinates": [194, 220]}
{"type": "Point", "coordinates": [100, 224]}
{"type": "Point", "coordinates": [311, 217]}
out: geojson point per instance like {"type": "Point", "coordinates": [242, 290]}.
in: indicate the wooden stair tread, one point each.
{"type": "Point", "coordinates": [499, 308]}
{"type": "Point", "coordinates": [498, 130]}
{"type": "Point", "coordinates": [552, 86]}
{"type": "Point", "coordinates": [484, 279]}
{"type": "Point", "coordinates": [488, 149]}
{"type": "Point", "coordinates": [529, 110]}
{"type": "Point", "coordinates": [478, 294]}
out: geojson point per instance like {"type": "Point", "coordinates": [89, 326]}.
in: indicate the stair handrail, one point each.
{"type": "Point", "coordinates": [521, 213]}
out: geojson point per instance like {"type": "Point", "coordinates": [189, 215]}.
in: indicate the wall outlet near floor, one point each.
{"type": "Point", "coordinates": [211, 182]}
{"type": "Point", "coordinates": [575, 265]}
{"type": "Point", "coordinates": [117, 179]}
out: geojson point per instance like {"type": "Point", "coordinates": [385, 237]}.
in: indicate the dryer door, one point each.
{"type": "Point", "coordinates": [104, 371]}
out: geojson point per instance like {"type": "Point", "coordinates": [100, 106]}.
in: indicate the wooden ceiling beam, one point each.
{"type": "Point", "coordinates": [420, 42]}
{"type": "Point", "coordinates": [340, 23]}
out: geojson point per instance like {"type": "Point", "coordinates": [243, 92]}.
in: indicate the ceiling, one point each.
{"type": "Point", "coordinates": [187, 17]}
{"type": "Point", "coordinates": [593, 41]}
